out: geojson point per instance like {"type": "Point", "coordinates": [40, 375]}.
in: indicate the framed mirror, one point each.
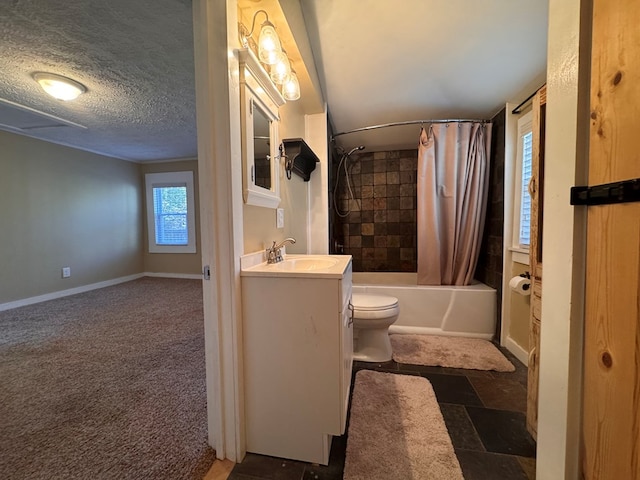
{"type": "Point", "coordinates": [259, 114]}
{"type": "Point", "coordinates": [262, 157]}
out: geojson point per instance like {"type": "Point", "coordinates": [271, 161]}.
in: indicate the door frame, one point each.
{"type": "Point", "coordinates": [561, 338]}
{"type": "Point", "coordinates": [220, 181]}
{"type": "Point", "coordinates": [564, 238]}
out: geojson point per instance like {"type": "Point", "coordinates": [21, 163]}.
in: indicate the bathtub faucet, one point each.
{"type": "Point", "coordinates": [274, 254]}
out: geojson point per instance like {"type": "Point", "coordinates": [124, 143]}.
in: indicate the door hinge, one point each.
{"type": "Point", "coordinates": [206, 272]}
{"type": "Point", "coordinates": [608, 193]}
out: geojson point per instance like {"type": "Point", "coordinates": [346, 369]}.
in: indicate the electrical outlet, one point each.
{"type": "Point", "coordinates": [66, 272]}
{"type": "Point", "coordinates": [280, 218]}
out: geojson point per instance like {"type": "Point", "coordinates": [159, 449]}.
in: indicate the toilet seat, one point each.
{"type": "Point", "coordinates": [362, 301]}
{"type": "Point", "coordinates": [367, 306]}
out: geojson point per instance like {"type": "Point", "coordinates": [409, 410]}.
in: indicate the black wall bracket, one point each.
{"type": "Point", "coordinates": [300, 158]}
{"type": "Point", "coordinates": [625, 191]}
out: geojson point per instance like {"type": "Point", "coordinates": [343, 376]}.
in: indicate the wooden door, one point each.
{"type": "Point", "coordinates": [535, 256]}
{"type": "Point", "coordinates": [611, 408]}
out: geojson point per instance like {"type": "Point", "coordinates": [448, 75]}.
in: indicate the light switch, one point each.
{"type": "Point", "coordinates": [280, 218]}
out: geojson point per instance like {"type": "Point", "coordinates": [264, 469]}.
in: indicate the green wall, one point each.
{"type": "Point", "coordinates": [64, 207]}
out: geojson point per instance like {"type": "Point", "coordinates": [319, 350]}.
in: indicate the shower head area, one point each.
{"type": "Point", "coordinates": [360, 147]}
{"type": "Point", "coordinates": [342, 180]}
{"type": "Point", "coordinates": [375, 201]}
{"type": "Point", "coordinates": [373, 215]}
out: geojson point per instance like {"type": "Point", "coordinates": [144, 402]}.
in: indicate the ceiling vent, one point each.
{"type": "Point", "coordinates": [17, 117]}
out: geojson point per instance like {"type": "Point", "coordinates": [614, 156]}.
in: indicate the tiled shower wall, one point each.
{"type": "Point", "coordinates": [489, 269]}
{"type": "Point", "coordinates": [380, 232]}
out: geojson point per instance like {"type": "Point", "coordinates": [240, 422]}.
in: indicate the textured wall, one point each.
{"type": "Point", "coordinates": [489, 268]}
{"type": "Point", "coordinates": [65, 207]}
{"type": "Point", "coordinates": [380, 232]}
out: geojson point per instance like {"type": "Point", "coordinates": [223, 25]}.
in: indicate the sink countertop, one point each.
{"type": "Point", "coordinates": [287, 267]}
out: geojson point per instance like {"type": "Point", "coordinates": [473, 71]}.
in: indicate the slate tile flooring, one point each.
{"type": "Point", "coordinates": [484, 413]}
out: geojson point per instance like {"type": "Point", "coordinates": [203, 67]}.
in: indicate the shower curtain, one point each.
{"type": "Point", "coordinates": [453, 174]}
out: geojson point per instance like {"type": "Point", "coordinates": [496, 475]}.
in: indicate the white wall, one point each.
{"type": "Point", "coordinates": [560, 390]}
{"type": "Point", "coordinates": [513, 319]}
{"type": "Point", "coordinates": [316, 136]}
{"type": "Point", "coordinates": [259, 222]}
{"type": "Point", "coordinates": [220, 181]}
{"type": "Point", "coordinates": [222, 213]}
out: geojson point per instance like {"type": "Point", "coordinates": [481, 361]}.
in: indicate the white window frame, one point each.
{"type": "Point", "coordinates": [520, 252]}
{"type": "Point", "coordinates": [170, 179]}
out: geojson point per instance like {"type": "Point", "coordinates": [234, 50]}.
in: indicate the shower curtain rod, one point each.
{"type": "Point", "coordinates": [411, 122]}
{"type": "Point", "coordinates": [516, 110]}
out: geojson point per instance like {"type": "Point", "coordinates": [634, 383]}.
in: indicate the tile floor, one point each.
{"type": "Point", "coordinates": [484, 413]}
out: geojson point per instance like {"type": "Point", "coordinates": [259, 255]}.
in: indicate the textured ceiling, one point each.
{"type": "Point", "coordinates": [383, 61]}
{"type": "Point", "coordinates": [379, 61]}
{"type": "Point", "coordinates": [134, 56]}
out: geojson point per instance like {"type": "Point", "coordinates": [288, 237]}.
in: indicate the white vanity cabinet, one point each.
{"type": "Point", "coordinates": [298, 348]}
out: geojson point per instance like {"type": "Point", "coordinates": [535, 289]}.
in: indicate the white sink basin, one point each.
{"type": "Point", "coordinates": [305, 264]}
{"type": "Point", "coordinates": [295, 265]}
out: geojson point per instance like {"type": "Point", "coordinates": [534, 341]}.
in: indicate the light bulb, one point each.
{"type": "Point", "coordinates": [291, 88]}
{"type": "Point", "coordinates": [59, 87]}
{"type": "Point", "coordinates": [281, 71]}
{"type": "Point", "coordinates": [268, 44]}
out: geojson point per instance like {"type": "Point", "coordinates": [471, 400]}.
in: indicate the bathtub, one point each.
{"type": "Point", "coordinates": [468, 311]}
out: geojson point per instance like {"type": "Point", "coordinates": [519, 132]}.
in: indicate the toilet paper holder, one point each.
{"type": "Point", "coordinates": [521, 283]}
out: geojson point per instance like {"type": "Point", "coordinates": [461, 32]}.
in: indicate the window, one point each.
{"type": "Point", "coordinates": [170, 212]}
{"type": "Point", "coordinates": [525, 198]}
{"type": "Point", "coordinates": [522, 200]}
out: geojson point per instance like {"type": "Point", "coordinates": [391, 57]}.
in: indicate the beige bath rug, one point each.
{"type": "Point", "coordinates": [453, 352]}
{"type": "Point", "coordinates": [397, 432]}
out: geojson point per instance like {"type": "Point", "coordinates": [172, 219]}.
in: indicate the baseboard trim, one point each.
{"type": "Point", "coordinates": [65, 293]}
{"type": "Point", "coordinates": [92, 286]}
{"type": "Point", "coordinates": [190, 276]}
{"type": "Point", "coordinates": [519, 352]}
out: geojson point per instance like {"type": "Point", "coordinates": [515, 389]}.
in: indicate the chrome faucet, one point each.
{"type": "Point", "coordinates": [274, 254]}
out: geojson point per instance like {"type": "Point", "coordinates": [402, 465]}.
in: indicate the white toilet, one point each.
{"type": "Point", "coordinates": [372, 317]}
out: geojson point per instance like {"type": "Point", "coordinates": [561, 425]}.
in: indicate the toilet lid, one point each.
{"type": "Point", "coordinates": [362, 301]}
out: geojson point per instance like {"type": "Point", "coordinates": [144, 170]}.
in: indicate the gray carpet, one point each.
{"type": "Point", "coordinates": [108, 384]}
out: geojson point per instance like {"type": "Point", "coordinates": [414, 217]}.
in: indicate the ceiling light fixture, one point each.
{"type": "Point", "coordinates": [59, 87]}
{"type": "Point", "coordinates": [269, 46]}
{"type": "Point", "coordinates": [271, 54]}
